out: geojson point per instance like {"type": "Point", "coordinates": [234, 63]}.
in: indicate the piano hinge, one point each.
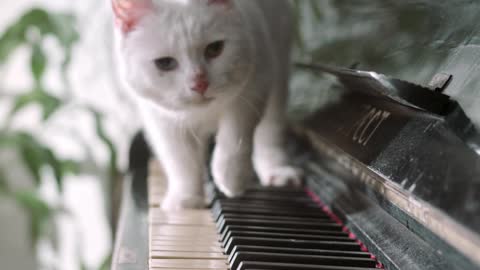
{"type": "Point", "coordinates": [440, 82]}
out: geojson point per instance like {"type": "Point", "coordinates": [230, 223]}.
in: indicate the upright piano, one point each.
{"type": "Point", "coordinates": [392, 162]}
{"type": "Point", "coordinates": [392, 181]}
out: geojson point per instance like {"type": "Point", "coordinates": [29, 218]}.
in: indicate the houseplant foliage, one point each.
{"type": "Point", "coordinates": [30, 31]}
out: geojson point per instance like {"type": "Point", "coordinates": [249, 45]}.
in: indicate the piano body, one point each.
{"type": "Point", "coordinates": [392, 165]}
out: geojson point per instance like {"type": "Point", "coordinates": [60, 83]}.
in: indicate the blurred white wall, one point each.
{"type": "Point", "coordinates": [84, 235]}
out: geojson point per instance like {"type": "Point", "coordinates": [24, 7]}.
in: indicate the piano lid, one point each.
{"type": "Point", "coordinates": [400, 138]}
{"type": "Point", "coordinates": [429, 99]}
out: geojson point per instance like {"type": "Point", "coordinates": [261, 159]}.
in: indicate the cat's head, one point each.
{"type": "Point", "coordinates": [183, 54]}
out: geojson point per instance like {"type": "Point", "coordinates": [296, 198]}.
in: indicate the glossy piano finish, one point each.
{"type": "Point", "coordinates": [284, 228]}
{"type": "Point", "coordinates": [420, 163]}
{"type": "Point", "coordinates": [420, 166]}
{"type": "Point", "coordinates": [410, 40]}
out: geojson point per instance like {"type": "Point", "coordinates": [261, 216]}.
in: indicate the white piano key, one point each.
{"type": "Point", "coordinates": [183, 243]}
{"type": "Point", "coordinates": [188, 264]}
{"type": "Point", "coordinates": [184, 248]}
{"type": "Point", "coordinates": [184, 239]}
{"type": "Point", "coordinates": [188, 255]}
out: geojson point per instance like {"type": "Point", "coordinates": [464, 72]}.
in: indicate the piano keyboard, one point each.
{"type": "Point", "coordinates": [266, 229]}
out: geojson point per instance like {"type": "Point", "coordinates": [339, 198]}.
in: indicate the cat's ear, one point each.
{"type": "Point", "coordinates": [129, 12]}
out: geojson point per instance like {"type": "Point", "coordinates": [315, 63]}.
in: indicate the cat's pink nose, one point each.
{"type": "Point", "coordinates": [200, 84]}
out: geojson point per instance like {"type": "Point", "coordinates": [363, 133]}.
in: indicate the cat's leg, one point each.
{"type": "Point", "coordinates": [270, 158]}
{"type": "Point", "coordinates": [232, 166]}
{"type": "Point", "coordinates": [183, 158]}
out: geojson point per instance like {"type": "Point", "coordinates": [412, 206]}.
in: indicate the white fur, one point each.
{"type": "Point", "coordinates": [248, 85]}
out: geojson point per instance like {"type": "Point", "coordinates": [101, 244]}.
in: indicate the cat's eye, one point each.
{"type": "Point", "coordinates": [214, 49]}
{"type": "Point", "coordinates": [166, 63]}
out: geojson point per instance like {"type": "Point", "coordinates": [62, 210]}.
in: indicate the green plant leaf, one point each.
{"type": "Point", "coordinates": [11, 39]}
{"type": "Point", "coordinates": [100, 130]}
{"type": "Point", "coordinates": [63, 27]}
{"type": "Point", "coordinates": [39, 212]}
{"type": "Point", "coordinates": [316, 9]}
{"type": "Point", "coordinates": [33, 154]}
{"type": "Point", "coordinates": [70, 167]}
{"type": "Point", "coordinates": [16, 34]}
{"type": "Point", "coordinates": [3, 183]}
{"type": "Point", "coordinates": [38, 63]}
{"type": "Point", "coordinates": [60, 25]}
{"type": "Point", "coordinates": [56, 166]}
{"type": "Point", "coordinates": [61, 168]}
{"type": "Point", "coordinates": [6, 140]}
{"type": "Point", "coordinates": [37, 156]}
{"type": "Point", "coordinates": [106, 263]}
{"type": "Point", "coordinates": [49, 103]}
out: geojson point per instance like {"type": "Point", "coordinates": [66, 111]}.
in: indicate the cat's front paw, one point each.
{"type": "Point", "coordinates": [282, 176]}
{"type": "Point", "coordinates": [233, 176]}
{"type": "Point", "coordinates": [233, 182]}
{"type": "Point", "coordinates": [179, 202]}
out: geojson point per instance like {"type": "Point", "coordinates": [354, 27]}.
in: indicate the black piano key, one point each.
{"type": "Point", "coordinates": [291, 251]}
{"type": "Point", "coordinates": [286, 266]}
{"type": "Point", "coordinates": [263, 189]}
{"type": "Point", "coordinates": [269, 204]}
{"type": "Point", "coordinates": [290, 203]}
{"type": "Point", "coordinates": [284, 224]}
{"type": "Point", "coordinates": [217, 211]}
{"type": "Point", "coordinates": [259, 194]}
{"type": "Point", "coordinates": [274, 199]}
{"type": "Point", "coordinates": [274, 208]}
{"type": "Point", "coordinates": [285, 243]}
{"type": "Point", "coordinates": [278, 218]}
{"type": "Point", "coordinates": [270, 198]}
{"type": "Point", "coordinates": [269, 212]}
{"type": "Point", "coordinates": [292, 237]}
{"type": "Point", "coordinates": [268, 229]}
{"type": "Point", "coordinates": [275, 193]}
{"type": "Point", "coordinates": [265, 199]}
{"type": "Point", "coordinates": [301, 207]}
{"type": "Point", "coordinates": [300, 259]}
{"type": "Point", "coordinates": [279, 230]}
{"type": "Point", "coordinates": [291, 193]}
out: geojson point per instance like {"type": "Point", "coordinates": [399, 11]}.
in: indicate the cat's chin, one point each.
{"type": "Point", "coordinates": [195, 105]}
{"type": "Point", "coordinates": [186, 107]}
{"type": "Point", "coordinates": [203, 101]}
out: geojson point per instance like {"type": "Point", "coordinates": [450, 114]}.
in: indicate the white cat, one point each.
{"type": "Point", "coordinates": [199, 68]}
